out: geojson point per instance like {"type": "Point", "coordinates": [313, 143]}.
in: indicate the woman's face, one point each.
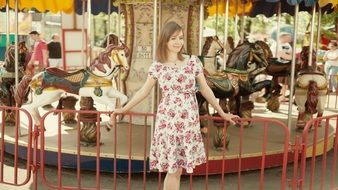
{"type": "Point", "coordinates": [176, 42]}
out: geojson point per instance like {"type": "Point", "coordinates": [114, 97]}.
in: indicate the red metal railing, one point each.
{"type": "Point", "coordinates": [221, 166]}
{"type": "Point", "coordinates": [10, 142]}
{"type": "Point", "coordinates": [324, 177]}
{"type": "Point", "coordinates": [312, 177]}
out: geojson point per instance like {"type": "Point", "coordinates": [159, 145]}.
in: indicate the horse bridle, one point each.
{"type": "Point", "coordinates": [252, 56]}
{"type": "Point", "coordinates": [117, 66]}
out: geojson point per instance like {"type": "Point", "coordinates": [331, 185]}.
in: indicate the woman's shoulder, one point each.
{"type": "Point", "coordinates": [156, 64]}
{"type": "Point", "coordinates": [191, 58]}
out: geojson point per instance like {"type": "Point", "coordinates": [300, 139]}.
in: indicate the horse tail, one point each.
{"type": "Point", "coordinates": [312, 97]}
{"type": "Point", "coordinates": [21, 90]}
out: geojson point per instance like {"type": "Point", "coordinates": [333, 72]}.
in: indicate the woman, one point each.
{"type": "Point", "coordinates": [331, 64]}
{"type": "Point", "coordinates": [177, 142]}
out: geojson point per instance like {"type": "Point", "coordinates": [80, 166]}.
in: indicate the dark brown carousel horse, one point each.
{"type": "Point", "coordinates": [245, 62]}
{"type": "Point", "coordinates": [237, 82]}
{"type": "Point", "coordinates": [7, 81]}
{"type": "Point", "coordinates": [276, 69]}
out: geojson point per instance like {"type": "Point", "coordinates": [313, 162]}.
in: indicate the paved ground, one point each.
{"type": "Point", "coordinates": [249, 180]}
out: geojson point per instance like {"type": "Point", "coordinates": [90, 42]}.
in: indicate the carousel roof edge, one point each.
{"type": "Point", "coordinates": [189, 2]}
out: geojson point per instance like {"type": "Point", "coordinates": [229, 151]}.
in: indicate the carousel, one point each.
{"type": "Point", "coordinates": [97, 85]}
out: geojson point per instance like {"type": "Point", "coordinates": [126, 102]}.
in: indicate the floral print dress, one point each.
{"type": "Point", "coordinates": [177, 141]}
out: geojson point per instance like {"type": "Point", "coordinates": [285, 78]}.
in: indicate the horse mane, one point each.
{"type": "Point", "coordinates": [238, 54]}
{"type": "Point", "coordinates": [231, 42]}
{"type": "Point", "coordinates": [103, 57]}
{"type": "Point", "coordinates": [266, 49]}
{"type": "Point", "coordinates": [111, 38]}
{"type": "Point", "coordinates": [206, 46]}
{"type": "Point", "coordinates": [312, 97]}
{"type": "Point", "coordinates": [304, 58]}
{"type": "Point", "coordinates": [21, 90]}
{"type": "Point", "coordinates": [22, 57]}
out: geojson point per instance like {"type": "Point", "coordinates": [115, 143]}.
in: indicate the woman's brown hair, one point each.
{"type": "Point", "coordinates": [162, 49]}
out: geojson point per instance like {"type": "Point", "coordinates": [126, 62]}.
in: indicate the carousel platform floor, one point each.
{"type": "Point", "coordinates": [251, 152]}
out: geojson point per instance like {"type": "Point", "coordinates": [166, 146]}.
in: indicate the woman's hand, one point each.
{"type": "Point", "coordinates": [230, 117]}
{"type": "Point", "coordinates": [112, 120]}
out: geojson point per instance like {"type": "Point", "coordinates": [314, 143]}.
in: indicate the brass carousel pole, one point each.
{"type": "Point", "coordinates": [83, 55]}
{"type": "Point", "coordinates": [318, 30]}
{"type": "Point", "coordinates": [89, 31]}
{"type": "Point", "coordinates": [293, 65]}
{"type": "Point", "coordinates": [108, 22]}
{"type": "Point", "coordinates": [226, 17]}
{"type": "Point", "coordinates": [216, 23]}
{"type": "Point", "coordinates": [200, 39]}
{"type": "Point", "coordinates": [154, 58]}
{"type": "Point", "coordinates": [235, 25]}
{"type": "Point", "coordinates": [279, 6]}
{"type": "Point", "coordinates": [8, 41]}
{"type": "Point", "coordinates": [16, 42]}
{"type": "Point", "coordinates": [119, 23]}
{"type": "Point", "coordinates": [242, 21]}
{"type": "Point", "coordinates": [312, 35]}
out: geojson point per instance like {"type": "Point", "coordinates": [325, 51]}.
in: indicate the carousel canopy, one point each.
{"type": "Point", "coordinates": [66, 6]}
{"type": "Point", "coordinates": [212, 10]}
{"type": "Point", "coordinates": [270, 7]}
{"type": "Point", "coordinates": [97, 6]}
{"type": "Point", "coordinates": [195, 2]}
{"type": "Point", "coordinates": [331, 3]}
{"type": "Point", "coordinates": [54, 6]}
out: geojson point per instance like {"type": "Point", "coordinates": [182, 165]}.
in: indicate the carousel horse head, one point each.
{"type": "Point", "coordinates": [112, 54]}
{"type": "Point", "coordinates": [250, 57]}
{"type": "Point", "coordinates": [304, 58]}
{"type": "Point", "coordinates": [211, 55]}
{"type": "Point", "coordinates": [211, 45]}
{"type": "Point", "coordinates": [10, 57]}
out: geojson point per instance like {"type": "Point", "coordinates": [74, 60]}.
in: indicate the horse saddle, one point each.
{"type": "Point", "coordinates": [72, 76]}
{"type": "Point", "coordinates": [304, 79]}
{"type": "Point", "coordinates": [219, 81]}
{"type": "Point", "coordinates": [279, 69]}
{"type": "Point", "coordinates": [70, 82]}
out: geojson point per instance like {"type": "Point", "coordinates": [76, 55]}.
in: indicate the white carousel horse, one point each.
{"type": "Point", "coordinates": [310, 96]}
{"type": "Point", "coordinates": [95, 81]}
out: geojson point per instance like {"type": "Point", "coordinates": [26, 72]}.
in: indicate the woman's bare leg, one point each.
{"type": "Point", "coordinates": [172, 181]}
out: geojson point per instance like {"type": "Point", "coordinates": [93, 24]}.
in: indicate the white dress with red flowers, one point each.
{"type": "Point", "coordinates": [177, 141]}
